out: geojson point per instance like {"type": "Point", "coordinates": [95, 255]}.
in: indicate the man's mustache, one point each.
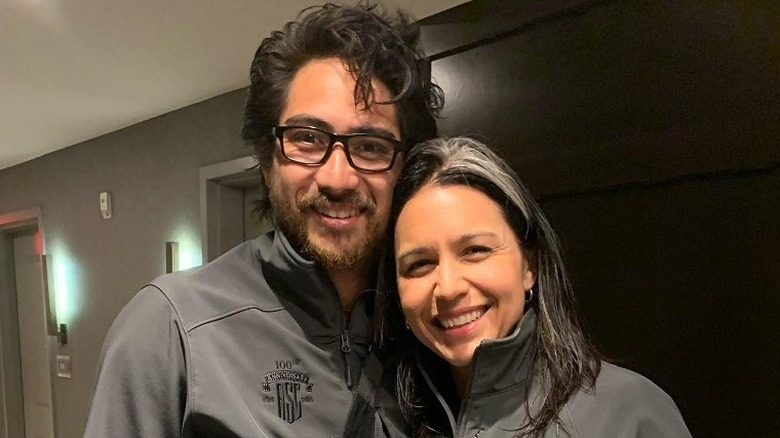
{"type": "Point", "coordinates": [320, 200]}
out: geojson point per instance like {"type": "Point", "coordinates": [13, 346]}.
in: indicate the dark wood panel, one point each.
{"type": "Point", "coordinates": [680, 283]}
{"type": "Point", "coordinates": [624, 94]}
{"type": "Point", "coordinates": [650, 131]}
{"type": "Point", "coordinates": [475, 22]}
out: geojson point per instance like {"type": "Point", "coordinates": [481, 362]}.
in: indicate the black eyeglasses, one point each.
{"type": "Point", "coordinates": [312, 146]}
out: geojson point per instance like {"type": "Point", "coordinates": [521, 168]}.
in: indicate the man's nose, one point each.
{"type": "Point", "coordinates": [335, 175]}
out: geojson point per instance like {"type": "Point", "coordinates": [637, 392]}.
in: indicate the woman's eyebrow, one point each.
{"type": "Point", "coordinates": [417, 250]}
{"type": "Point", "coordinates": [466, 237]}
{"type": "Point", "coordinates": [412, 252]}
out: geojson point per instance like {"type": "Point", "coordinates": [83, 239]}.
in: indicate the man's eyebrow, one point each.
{"type": "Point", "coordinates": [310, 120]}
{"type": "Point", "coordinates": [372, 130]}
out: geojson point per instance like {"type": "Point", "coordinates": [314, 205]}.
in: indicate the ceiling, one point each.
{"type": "Point", "coordinates": [72, 70]}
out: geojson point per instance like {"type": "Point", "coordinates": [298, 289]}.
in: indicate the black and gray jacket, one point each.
{"type": "Point", "coordinates": [503, 388]}
{"type": "Point", "coordinates": [253, 344]}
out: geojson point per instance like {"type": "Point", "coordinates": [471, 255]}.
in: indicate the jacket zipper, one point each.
{"type": "Point", "coordinates": [346, 348]}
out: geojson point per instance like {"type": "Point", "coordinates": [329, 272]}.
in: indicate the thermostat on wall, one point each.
{"type": "Point", "coordinates": [105, 205]}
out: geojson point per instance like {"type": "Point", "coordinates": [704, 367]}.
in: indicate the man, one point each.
{"type": "Point", "coordinates": [270, 339]}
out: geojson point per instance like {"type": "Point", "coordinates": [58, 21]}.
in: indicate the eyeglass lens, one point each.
{"type": "Point", "coordinates": [309, 146]}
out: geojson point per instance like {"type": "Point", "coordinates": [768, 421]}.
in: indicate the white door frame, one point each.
{"type": "Point", "coordinates": [11, 402]}
{"type": "Point", "coordinates": [221, 199]}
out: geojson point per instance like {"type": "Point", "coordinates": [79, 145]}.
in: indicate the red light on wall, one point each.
{"type": "Point", "coordinates": [38, 239]}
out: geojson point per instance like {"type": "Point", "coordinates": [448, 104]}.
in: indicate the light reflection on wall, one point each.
{"type": "Point", "coordinates": [67, 283]}
{"type": "Point", "coordinates": [189, 247]}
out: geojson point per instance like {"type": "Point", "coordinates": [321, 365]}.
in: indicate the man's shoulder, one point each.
{"type": "Point", "coordinates": [231, 283]}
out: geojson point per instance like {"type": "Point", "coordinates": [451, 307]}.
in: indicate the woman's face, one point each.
{"type": "Point", "coordinates": [462, 275]}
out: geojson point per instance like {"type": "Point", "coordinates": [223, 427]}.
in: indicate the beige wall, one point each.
{"type": "Point", "coordinates": [151, 169]}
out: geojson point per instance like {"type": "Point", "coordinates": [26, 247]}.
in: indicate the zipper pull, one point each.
{"type": "Point", "coordinates": [346, 348]}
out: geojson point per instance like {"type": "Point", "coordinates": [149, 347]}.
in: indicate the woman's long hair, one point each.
{"type": "Point", "coordinates": [566, 360]}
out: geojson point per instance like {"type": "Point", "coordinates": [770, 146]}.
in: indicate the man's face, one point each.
{"type": "Point", "coordinates": [333, 213]}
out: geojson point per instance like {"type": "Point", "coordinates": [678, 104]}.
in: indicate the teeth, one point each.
{"type": "Point", "coordinates": [338, 214]}
{"type": "Point", "coordinates": [461, 320]}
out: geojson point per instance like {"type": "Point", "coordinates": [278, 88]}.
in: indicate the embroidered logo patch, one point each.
{"type": "Point", "coordinates": [289, 388]}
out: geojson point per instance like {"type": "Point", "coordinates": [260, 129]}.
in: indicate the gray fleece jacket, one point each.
{"type": "Point", "coordinates": [253, 344]}
{"type": "Point", "coordinates": [622, 403]}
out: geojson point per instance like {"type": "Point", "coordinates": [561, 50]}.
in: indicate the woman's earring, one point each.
{"type": "Point", "coordinates": [406, 323]}
{"type": "Point", "coordinates": [529, 296]}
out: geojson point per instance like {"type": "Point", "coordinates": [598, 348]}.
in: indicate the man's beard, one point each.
{"type": "Point", "coordinates": [345, 251]}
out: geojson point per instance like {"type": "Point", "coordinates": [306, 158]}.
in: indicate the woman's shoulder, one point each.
{"type": "Point", "coordinates": [624, 403]}
{"type": "Point", "coordinates": [621, 383]}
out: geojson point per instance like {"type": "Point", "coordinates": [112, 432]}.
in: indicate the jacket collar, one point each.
{"type": "Point", "coordinates": [305, 290]}
{"type": "Point", "coordinates": [500, 364]}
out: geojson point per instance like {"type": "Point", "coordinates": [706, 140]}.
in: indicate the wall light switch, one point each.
{"type": "Point", "coordinates": [171, 257]}
{"type": "Point", "coordinates": [63, 366]}
{"type": "Point", "coordinates": [105, 205]}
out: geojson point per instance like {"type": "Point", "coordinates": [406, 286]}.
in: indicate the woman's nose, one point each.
{"type": "Point", "coordinates": [450, 282]}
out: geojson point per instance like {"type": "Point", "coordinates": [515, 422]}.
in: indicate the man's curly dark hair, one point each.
{"type": "Point", "coordinates": [371, 43]}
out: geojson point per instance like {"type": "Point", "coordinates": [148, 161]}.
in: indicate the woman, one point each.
{"type": "Point", "coordinates": [476, 304]}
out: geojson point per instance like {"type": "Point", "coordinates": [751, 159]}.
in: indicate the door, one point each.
{"type": "Point", "coordinates": [33, 338]}
{"type": "Point", "coordinates": [253, 225]}
{"type": "Point", "coordinates": [229, 193]}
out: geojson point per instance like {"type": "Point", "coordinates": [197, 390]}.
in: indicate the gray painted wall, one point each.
{"type": "Point", "coordinates": [151, 169]}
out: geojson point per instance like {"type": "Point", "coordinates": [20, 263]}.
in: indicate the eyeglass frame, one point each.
{"type": "Point", "coordinates": [278, 133]}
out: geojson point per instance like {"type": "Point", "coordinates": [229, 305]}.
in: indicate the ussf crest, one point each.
{"type": "Point", "coordinates": [289, 388]}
